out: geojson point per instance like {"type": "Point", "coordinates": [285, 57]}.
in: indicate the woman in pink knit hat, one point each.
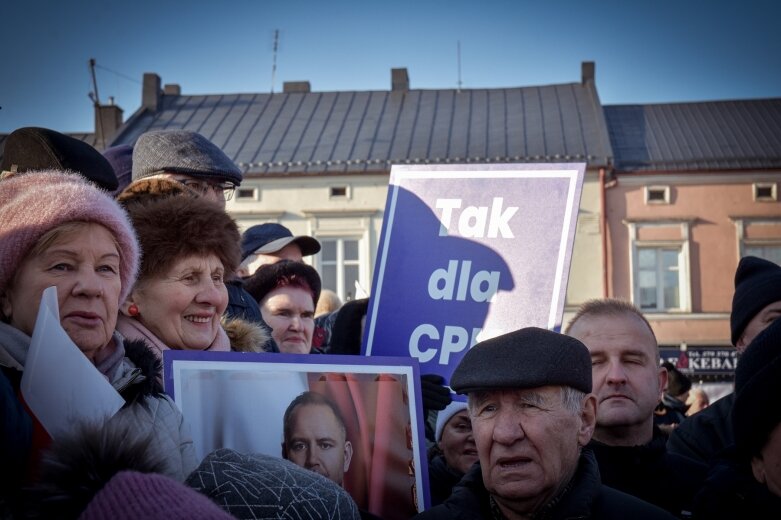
{"type": "Point", "coordinates": [57, 230]}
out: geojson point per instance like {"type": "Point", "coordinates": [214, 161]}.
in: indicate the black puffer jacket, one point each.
{"type": "Point", "coordinates": [730, 492]}
{"type": "Point", "coordinates": [585, 498]}
{"type": "Point", "coordinates": [704, 435]}
{"type": "Point", "coordinates": [648, 472]}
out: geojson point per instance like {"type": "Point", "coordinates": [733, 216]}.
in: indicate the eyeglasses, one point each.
{"type": "Point", "coordinates": [225, 189]}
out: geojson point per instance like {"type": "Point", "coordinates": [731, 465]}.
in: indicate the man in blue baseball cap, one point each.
{"type": "Point", "coordinates": [271, 242]}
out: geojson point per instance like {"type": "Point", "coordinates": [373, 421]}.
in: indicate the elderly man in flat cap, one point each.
{"type": "Point", "coordinates": [532, 411]}
{"type": "Point", "coordinates": [189, 158]}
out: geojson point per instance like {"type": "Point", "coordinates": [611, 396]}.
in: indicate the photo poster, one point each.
{"type": "Point", "coordinates": [467, 253]}
{"type": "Point", "coordinates": [238, 401]}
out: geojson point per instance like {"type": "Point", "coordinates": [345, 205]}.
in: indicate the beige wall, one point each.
{"type": "Point", "coordinates": [711, 207]}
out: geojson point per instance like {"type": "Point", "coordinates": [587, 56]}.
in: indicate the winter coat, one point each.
{"type": "Point", "coordinates": [584, 498]}
{"type": "Point", "coordinates": [648, 472]}
{"type": "Point", "coordinates": [731, 492]}
{"type": "Point", "coordinates": [243, 307]}
{"type": "Point", "coordinates": [247, 336]}
{"type": "Point", "coordinates": [16, 430]}
{"type": "Point", "coordinates": [705, 434]}
{"type": "Point", "coordinates": [442, 479]}
{"type": "Point", "coordinates": [131, 370]}
{"type": "Point", "coordinates": [110, 470]}
{"type": "Point", "coordinates": [670, 411]}
{"type": "Point", "coordinates": [241, 304]}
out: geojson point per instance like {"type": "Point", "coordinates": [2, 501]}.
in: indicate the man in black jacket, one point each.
{"type": "Point", "coordinates": [755, 305]}
{"type": "Point", "coordinates": [628, 383]}
{"type": "Point", "coordinates": [532, 413]}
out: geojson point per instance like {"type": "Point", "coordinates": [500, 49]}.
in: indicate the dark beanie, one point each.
{"type": "Point", "coordinates": [757, 408]}
{"type": "Point", "coordinates": [757, 285]}
{"type": "Point", "coordinates": [526, 358]}
{"type": "Point", "coordinates": [271, 276]}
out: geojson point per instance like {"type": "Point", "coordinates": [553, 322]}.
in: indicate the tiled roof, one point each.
{"type": "Point", "coordinates": [353, 132]}
{"type": "Point", "coordinates": [712, 135]}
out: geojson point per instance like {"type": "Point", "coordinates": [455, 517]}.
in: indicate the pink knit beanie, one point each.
{"type": "Point", "coordinates": [131, 495]}
{"type": "Point", "coordinates": [34, 203]}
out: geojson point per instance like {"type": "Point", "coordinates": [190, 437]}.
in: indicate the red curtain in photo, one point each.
{"type": "Point", "coordinates": [376, 412]}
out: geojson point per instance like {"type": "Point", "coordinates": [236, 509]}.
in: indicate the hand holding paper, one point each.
{"type": "Point", "coordinates": [59, 384]}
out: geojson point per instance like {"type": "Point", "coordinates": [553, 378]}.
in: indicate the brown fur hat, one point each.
{"type": "Point", "coordinates": [173, 227]}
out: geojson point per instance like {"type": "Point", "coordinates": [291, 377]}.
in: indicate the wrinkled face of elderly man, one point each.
{"type": "Point", "coordinates": [529, 441]}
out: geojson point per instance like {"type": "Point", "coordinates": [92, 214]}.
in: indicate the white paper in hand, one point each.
{"type": "Point", "coordinates": [59, 384]}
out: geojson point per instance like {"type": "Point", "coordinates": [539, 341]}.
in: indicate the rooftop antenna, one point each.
{"type": "Point", "coordinates": [458, 50]}
{"type": "Point", "coordinates": [274, 64]}
{"type": "Point", "coordinates": [96, 100]}
{"type": "Point", "coordinates": [94, 94]}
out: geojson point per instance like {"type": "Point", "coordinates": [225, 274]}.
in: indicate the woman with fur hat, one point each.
{"type": "Point", "coordinates": [287, 293]}
{"type": "Point", "coordinates": [190, 245]}
{"type": "Point", "coordinates": [58, 230]}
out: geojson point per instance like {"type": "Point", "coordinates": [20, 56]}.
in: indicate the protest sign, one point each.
{"type": "Point", "coordinates": [59, 383]}
{"type": "Point", "coordinates": [239, 401]}
{"type": "Point", "coordinates": [470, 252]}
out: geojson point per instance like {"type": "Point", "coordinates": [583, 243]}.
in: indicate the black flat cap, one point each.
{"type": "Point", "coordinates": [30, 148]}
{"type": "Point", "coordinates": [526, 358]}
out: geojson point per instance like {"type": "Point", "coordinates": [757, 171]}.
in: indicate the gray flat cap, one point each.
{"type": "Point", "coordinates": [182, 151]}
{"type": "Point", "coordinates": [526, 358]}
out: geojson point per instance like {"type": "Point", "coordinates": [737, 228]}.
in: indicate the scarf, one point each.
{"type": "Point", "coordinates": [132, 329]}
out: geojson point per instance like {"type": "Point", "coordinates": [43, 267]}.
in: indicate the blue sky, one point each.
{"type": "Point", "coordinates": [645, 51]}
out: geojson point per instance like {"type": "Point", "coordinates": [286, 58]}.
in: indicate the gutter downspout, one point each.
{"type": "Point", "coordinates": [603, 231]}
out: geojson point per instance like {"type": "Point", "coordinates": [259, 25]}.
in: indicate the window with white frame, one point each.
{"type": "Point", "coordinates": [768, 251]}
{"type": "Point", "coordinates": [658, 278]}
{"type": "Point", "coordinates": [340, 265]}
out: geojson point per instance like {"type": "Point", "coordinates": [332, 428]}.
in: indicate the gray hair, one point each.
{"type": "Point", "coordinates": [571, 399]}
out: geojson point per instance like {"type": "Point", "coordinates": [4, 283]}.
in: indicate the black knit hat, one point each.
{"type": "Point", "coordinates": [270, 276]}
{"type": "Point", "coordinates": [526, 358]}
{"type": "Point", "coordinates": [757, 285]}
{"type": "Point", "coordinates": [757, 408]}
{"type": "Point", "coordinates": [32, 149]}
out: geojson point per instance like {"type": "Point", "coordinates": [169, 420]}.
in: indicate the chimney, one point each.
{"type": "Point", "coordinates": [172, 89]}
{"type": "Point", "coordinates": [296, 86]}
{"type": "Point", "coordinates": [151, 93]}
{"type": "Point", "coordinates": [587, 72]}
{"type": "Point", "coordinates": [399, 80]}
{"type": "Point", "coordinates": [108, 119]}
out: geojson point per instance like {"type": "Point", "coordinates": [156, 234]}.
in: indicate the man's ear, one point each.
{"type": "Point", "coordinates": [348, 455]}
{"type": "Point", "coordinates": [758, 469]}
{"type": "Point", "coordinates": [663, 377]}
{"type": "Point", "coordinates": [284, 451]}
{"type": "Point", "coordinates": [588, 419]}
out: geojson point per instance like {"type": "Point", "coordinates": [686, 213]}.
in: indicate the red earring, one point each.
{"type": "Point", "coordinates": [133, 310]}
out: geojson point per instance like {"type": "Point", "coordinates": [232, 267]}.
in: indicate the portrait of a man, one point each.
{"type": "Point", "coordinates": [315, 436]}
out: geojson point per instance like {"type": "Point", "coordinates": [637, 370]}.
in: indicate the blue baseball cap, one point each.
{"type": "Point", "coordinates": [271, 237]}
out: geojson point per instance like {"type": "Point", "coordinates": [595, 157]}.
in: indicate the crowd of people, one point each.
{"type": "Point", "coordinates": [581, 424]}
